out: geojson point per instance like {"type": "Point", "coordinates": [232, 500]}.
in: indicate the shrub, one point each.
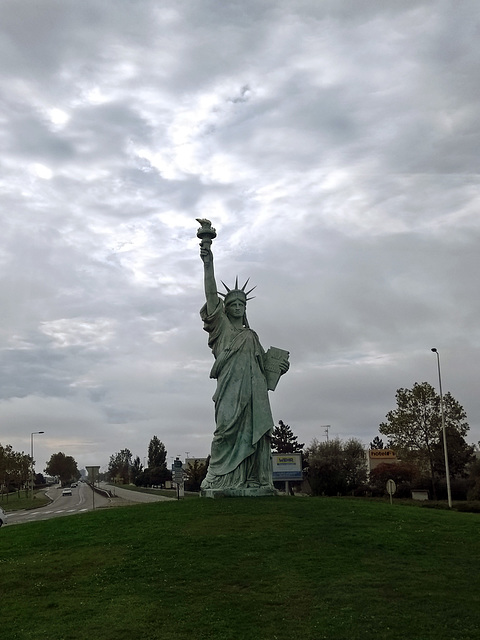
{"type": "Point", "coordinates": [471, 506]}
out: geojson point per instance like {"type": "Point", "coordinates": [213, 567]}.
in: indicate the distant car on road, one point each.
{"type": "Point", "coordinates": [3, 517]}
{"type": "Point", "coordinates": [67, 492]}
{"type": "Point", "coordinates": [74, 484]}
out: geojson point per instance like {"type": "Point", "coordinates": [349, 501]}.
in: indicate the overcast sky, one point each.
{"type": "Point", "coordinates": [335, 147]}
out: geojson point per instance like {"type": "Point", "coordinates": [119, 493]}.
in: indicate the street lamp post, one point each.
{"type": "Point", "coordinates": [31, 454]}
{"type": "Point", "coordinates": [92, 472]}
{"type": "Point", "coordinates": [447, 470]}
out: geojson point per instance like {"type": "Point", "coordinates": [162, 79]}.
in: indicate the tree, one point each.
{"type": "Point", "coordinates": [354, 464]}
{"type": "Point", "coordinates": [62, 466]}
{"type": "Point", "coordinates": [402, 473]}
{"type": "Point", "coordinates": [283, 440]}
{"type": "Point", "coordinates": [14, 468]}
{"type": "Point", "coordinates": [120, 466]}
{"type": "Point", "coordinates": [377, 443]}
{"type": "Point", "coordinates": [195, 473]}
{"type": "Point", "coordinates": [137, 469]}
{"type": "Point", "coordinates": [415, 426]}
{"type": "Point", "coordinates": [8, 466]}
{"type": "Point", "coordinates": [39, 479]}
{"type": "Point", "coordinates": [157, 454]}
{"type": "Point", "coordinates": [157, 462]}
{"type": "Point", "coordinates": [159, 475]}
{"type": "Point", "coordinates": [143, 479]}
{"type": "Point", "coordinates": [460, 454]}
{"type": "Point", "coordinates": [22, 469]}
{"type": "Point", "coordinates": [335, 467]}
{"type": "Point", "coordinates": [474, 480]}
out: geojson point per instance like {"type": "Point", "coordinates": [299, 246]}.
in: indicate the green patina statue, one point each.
{"type": "Point", "coordinates": [240, 463]}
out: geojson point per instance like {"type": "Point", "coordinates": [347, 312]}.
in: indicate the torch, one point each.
{"type": "Point", "coordinates": [206, 233]}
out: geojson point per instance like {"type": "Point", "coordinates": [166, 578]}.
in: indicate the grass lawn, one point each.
{"type": "Point", "coordinates": [244, 569]}
{"type": "Point", "coordinates": [15, 502]}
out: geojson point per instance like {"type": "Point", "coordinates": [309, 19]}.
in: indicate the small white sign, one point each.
{"type": "Point", "coordinates": [391, 487]}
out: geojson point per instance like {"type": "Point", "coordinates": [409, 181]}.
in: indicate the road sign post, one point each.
{"type": "Point", "coordinates": [177, 477]}
{"type": "Point", "coordinates": [391, 488]}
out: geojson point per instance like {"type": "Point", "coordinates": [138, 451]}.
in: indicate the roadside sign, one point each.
{"type": "Point", "coordinates": [177, 476]}
{"type": "Point", "coordinates": [382, 454]}
{"type": "Point", "coordinates": [391, 488]}
{"type": "Point", "coordinates": [177, 471]}
{"type": "Point", "coordinates": [287, 466]}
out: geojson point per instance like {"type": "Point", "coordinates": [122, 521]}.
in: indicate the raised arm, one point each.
{"type": "Point", "coordinates": [211, 294]}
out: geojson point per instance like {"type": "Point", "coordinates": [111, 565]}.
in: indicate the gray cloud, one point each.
{"type": "Point", "coordinates": [334, 147]}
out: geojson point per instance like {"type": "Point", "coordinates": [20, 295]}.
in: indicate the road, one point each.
{"type": "Point", "coordinates": [81, 500]}
{"type": "Point", "coordinates": [133, 496]}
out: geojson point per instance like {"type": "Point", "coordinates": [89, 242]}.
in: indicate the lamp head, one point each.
{"type": "Point", "coordinates": [434, 350]}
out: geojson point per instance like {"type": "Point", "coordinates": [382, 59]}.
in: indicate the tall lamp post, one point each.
{"type": "Point", "coordinates": [447, 471]}
{"type": "Point", "coordinates": [92, 473]}
{"type": "Point", "coordinates": [31, 454]}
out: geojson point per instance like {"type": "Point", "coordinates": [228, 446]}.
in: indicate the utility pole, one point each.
{"type": "Point", "coordinates": [32, 479]}
{"type": "Point", "coordinates": [444, 432]}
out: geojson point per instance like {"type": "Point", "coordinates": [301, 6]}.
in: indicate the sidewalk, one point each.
{"type": "Point", "coordinates": [133, 496]}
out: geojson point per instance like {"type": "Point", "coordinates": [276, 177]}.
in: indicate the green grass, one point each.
{"type": "Point", "coordinates": [244, 569]}
{"type": "Point", "coordinates": [15, 502]}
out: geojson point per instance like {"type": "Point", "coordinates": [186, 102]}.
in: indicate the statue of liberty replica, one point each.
{"type": "Point", "coordinates": [240, 461]}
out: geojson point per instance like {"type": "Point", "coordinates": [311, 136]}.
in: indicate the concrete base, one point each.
{"type": "Point", "coordinates": [251, 492]}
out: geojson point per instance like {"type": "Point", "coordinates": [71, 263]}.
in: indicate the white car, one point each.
{"type": "Point", "coordinates": [3, 517]}
{"type": "Point", "coordinates": [67, 492]}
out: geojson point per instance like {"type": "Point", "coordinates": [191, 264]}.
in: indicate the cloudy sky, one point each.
{"type": "Point", "coordinates": [334, 145]}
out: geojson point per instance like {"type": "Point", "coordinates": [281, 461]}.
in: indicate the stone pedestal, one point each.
{"type": "Point", "coordinates": [251, 492]}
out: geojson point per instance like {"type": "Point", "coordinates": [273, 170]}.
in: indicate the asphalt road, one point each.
{"type": "Point", "coordinates": [81, 500]}
{"type": "Point", "coordinates": [133, 496]}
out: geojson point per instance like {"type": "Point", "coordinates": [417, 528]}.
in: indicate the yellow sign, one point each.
{"type": "Point", "coordinates": [382, 454]}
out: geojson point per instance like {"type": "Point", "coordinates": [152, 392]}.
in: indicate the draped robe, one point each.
{"type": "Point", "coordinates": [240, 452]}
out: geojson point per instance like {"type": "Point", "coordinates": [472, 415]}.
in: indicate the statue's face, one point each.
{"type": "Point", "coordinates": [235, 309]}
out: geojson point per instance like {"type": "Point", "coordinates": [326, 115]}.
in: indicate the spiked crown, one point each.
{"type": "Point", "coordinates": [236, 293]}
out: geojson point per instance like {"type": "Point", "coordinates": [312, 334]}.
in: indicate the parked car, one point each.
{"type": "Point", "coordinates": [3, 517]}
{"type": "Point", "coordinates": [67, 492]}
